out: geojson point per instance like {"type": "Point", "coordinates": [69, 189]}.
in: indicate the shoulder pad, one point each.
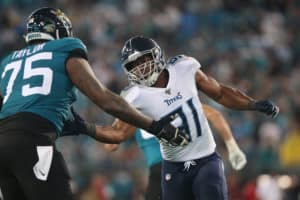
{"type": "Point", "coordinates": [193, 61]}
{"type": "Point", "coordinates": [5, 59]}
{"type": "Point", "coordinates": [190, 61]}
{"type": "Point", "coordinates": [175, 59]}
{"type": "Point", "coordinates": [130, 93]}
{"type": "Point", "coordinates": [70, 44]}
{"type": "Point", "coordinates": [128, 89]}
{"type": "Point", "coordinates": [125, 90]}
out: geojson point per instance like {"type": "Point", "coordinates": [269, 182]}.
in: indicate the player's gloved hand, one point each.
{"type": "Point", "coordinates": [167, 133]}
{"type": "Point", "coordinates": [75, 125]}
{"type": "Point", "coordinates": [265, 106]}
{"type": "Point", "coordinates": [236, 157]}
{"type": "Point", "coordinates": [173, 136]}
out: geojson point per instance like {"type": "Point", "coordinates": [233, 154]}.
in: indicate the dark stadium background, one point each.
{"type": "Point", "coordinates": [251, 44]}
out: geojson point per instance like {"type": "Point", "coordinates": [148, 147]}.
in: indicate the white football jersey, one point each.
{"type": "Point", "coordinates": [179, 97]}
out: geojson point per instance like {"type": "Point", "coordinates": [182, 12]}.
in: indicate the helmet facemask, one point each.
{"type": "Point", "coordinates": [144, 67]}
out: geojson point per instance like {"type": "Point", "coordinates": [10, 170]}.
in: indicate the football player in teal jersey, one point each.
{"type": "Point", "coordinates": [151, 150]}
{"type": "Point", "coordinates": [38, 85]}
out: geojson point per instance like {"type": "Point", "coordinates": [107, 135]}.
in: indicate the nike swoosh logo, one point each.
{"type": "Point", "coordinates": [42, 173]}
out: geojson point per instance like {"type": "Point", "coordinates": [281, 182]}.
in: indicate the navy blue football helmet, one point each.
{"type": "Point", "coordinates": [147, 72]}
{"type": "Point", "coordinates": [47, 24]}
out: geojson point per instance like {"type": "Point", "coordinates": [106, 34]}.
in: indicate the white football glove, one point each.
{"type": "Point", "coordinates": [236, 157]}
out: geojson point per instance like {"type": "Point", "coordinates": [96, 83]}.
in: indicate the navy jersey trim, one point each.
{"type": "Point", "coordinates": [77, 53]}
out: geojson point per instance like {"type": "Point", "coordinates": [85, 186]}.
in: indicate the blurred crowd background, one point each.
{"type": "Point", "coordinates": [253, 45]}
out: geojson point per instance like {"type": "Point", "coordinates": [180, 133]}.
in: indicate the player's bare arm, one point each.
{"type": "Point", "coordinates": [126, 130]}
{"type": "Point", "coordinates": [218, 121]}
{"type": "Point", "coordinates": [236, 156]}
{"type": "Point", "coordinates": [109, 135]}
{"type": "Point", "coordinates": [114, 134]}
{"type": "Point", "coordinates": [232, 97]}
{"type": "Point", "coordinates": [85, 80]}
{"type": "Point", "coordinates": [225, 95]}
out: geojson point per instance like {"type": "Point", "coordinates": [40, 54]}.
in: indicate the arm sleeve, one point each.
{"type": "Point", "coordinates": [78, 53]}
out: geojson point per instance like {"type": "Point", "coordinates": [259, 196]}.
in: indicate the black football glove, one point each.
{"type": "Point", "coordinates": [173, 136]}
{"type": "Point", "coordinates": [167, 133]}
{"type": "Point", "coordinates": [75, 125]}
{"type": "Point", "coordinates": [266, 106]}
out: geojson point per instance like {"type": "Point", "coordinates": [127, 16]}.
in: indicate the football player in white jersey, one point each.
{"type": "Point", "coordinates": [170, 90]}
{"type": "Point", "coordinates": [150, 148]}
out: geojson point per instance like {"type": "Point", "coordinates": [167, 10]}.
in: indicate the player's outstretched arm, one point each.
{"type": "Point", "coordinates": [232, 97]}
{"type": "Point", "coordinates": [236, 157]}
{"type": "Point", "coordinates": [83, 77]}
{"type": "Point", "coordinates": [111, 147]}
{"type": "Point", "coordinates": [118, 132]}
{"type": "Point", "coordinates": [108, 134]}
{"type": "Point", "coordinates": [85, 80]}
{"type": "Point", "coordinates": [127, 130]}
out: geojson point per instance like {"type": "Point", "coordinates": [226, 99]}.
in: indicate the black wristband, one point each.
{"type": "Point", "coordinates": [155, 127]}
{"type": "Point", "coordinates": [90, 129]}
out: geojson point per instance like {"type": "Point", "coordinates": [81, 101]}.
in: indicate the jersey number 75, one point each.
{"type": "Point", "coordinates": [29, 72]}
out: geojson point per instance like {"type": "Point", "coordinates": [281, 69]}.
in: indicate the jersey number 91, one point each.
{"type": "Point", "coordinates": [188, 119]}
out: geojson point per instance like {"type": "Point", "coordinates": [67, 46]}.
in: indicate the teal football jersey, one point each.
{"type": "Point", "coordinates": [150, 147]}
{"type": "Point", "coordinates": [34, 79]}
